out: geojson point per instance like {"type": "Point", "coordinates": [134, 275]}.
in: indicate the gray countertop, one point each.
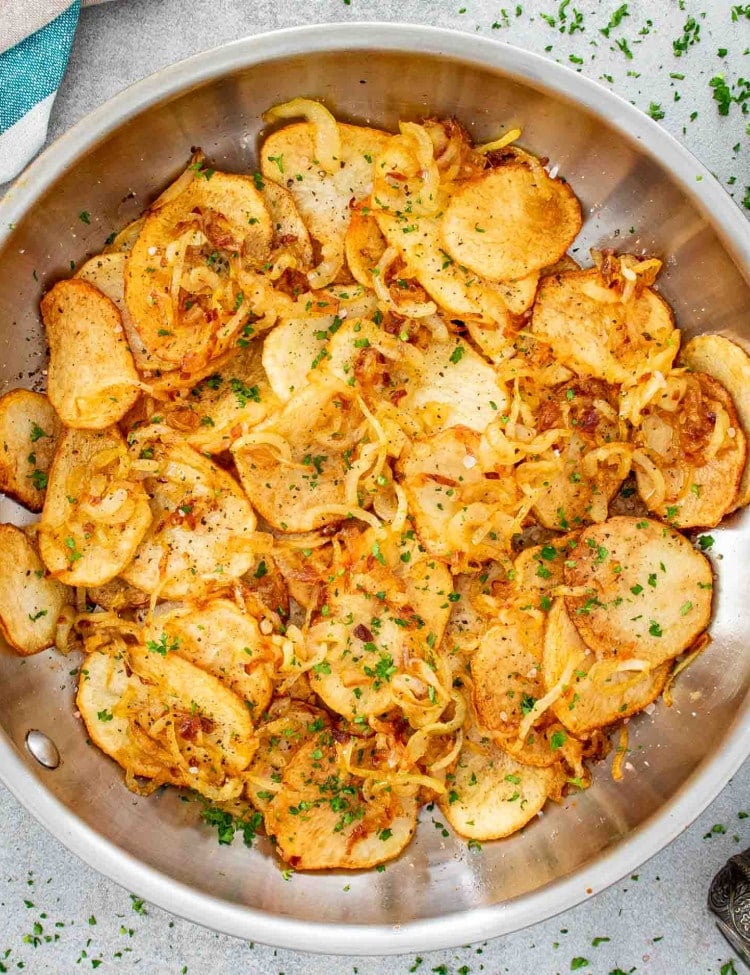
{"type": "Point", "coordinates": [56, 914]}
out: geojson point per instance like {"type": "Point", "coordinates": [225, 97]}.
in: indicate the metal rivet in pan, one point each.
{"type": "Point", "coordinates": [42, 748]}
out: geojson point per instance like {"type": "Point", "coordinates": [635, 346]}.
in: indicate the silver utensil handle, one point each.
{"type": "Point", "coordinates": [729, 899]}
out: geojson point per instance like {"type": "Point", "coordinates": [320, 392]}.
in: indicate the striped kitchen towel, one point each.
{"type": "Point", "coordinates": [35, 41]}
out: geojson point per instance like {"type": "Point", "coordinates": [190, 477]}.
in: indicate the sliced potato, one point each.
{"type": "Point", "coordinates": [182, 279]}
{"type": "Point", "coordinates": [29, 431]}
{"type": "Point", "coordinates": [457, 511]}
{"type": "Point", "coordinates": [507, 674]}
{"type": "Point", "coordinates": [285, 728]}
{"type": "Point", "coordinates": [225, 405]}
{"type": "Point", "coordinates": [306, 488]}
{"type": "Point", "coordinates": [30, 601]}
{"type": "Point", "coordinates": [323, 198]}
{"type": "Point", "coordinates": [597, 694]}
{"type": "Point", "coordinates": [592, 330]}
{"type": "Point", "coordinates": [91, 381]}
{"type": "Point", "coordinates": [729, 364]}
{"type": "Point", "coordinates": [123, 241]}
{"type": "Point", "coordinates": [519, 295]}
{"type": "Point", "coordinates": [455, 386]}
{"type": "Point", "coordinates": [321, 819]}
{"type": "Point", "coordinates": [539, 568]}
{"type": "Point", "coordinates": [491, 795]}
{"type": "Point", "coordinates": [364, 245]}
{"type": "Point", "coordinates": [580, 491]}
{"type": "Point", "coordinates": [458, 291]}
{"type": "Point", "coordinates": [289, 230]}
{"type": "Point", "coordinates": [219, 638]}
{"type": "Point", "coordinates": [161, 717]}
{"type": "Point", "coordinates": [96, 511]}
{"type": "Point", "coordinates": [645, 591]}
{"type": "Point", "coordinates": [696, 450]}
{"type": "Point", "coordinates": [510, 221]}
{"type": "Point", "coordinates": [107, 273]}
{"type": "Point", "coordinates": [202, 526]}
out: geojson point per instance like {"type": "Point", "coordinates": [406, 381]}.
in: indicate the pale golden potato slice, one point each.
{"type": "Point", "coordinates": [226, 404]}
{"type": "Point", "coordinates": [592, 330]}
{"type": "Point", "coordinates": [29, 432]}
{"type": "Point", "coordinates": [103, 682]}
{"type": "Point", "coordinates": [455, 386]}
{"type": "Point", "coordinates": [695, 452]}
{"type": "Point", "coordinates": [510, 221]}
{"type": "Point", "coordinates": [223, 640]}
{"type": "Point", "coordinates": [597, 693]}
{"type": "Point", "coordinates": [458, 512]}
{"type": "Point", "coordinates": [323, 197]}
{"type": "Point", "coordinates": [364, 245]}
{"type": "Point", "coordinates": [285, 728]}
{"type": "Point", "coordinates": [728, 363]}
{"type": "Point", "coordinates": [91, 381]}
{"type": "Point", "coordinates": [96, 511]}
{"type": "Point", "coordinates": [107, 273]}
{"type": "Point", "coordinates": [161, 717]}
{"type": "Point", "coordinates": [289, 230]}
{"type": "Point", "coordinates": [294, 466]}
{"type": "Point", "coordinates": [594, 458]}
{"type": "Point", "coordinates": [506, 672]}
{"type": "Point", "coordinates": [539, 569]}
{"type": "Point", "coordinates": [456, 289]}
{"type": "Point", "coordinates": [183, 276]}
{"type": "Point", "coordinates": [645, 591]}
{"type": "Point", "coordinates": [321, 819]}
{"type": "Point", "coordinates": [202, 525]}
{"type": "Point", "coordinates": [358, 660]}
{"type": "Point", "coordinates": [30, 601]}
{"type": "Point", "coordinates": [491, 795]}
{"type": "Point", "coordinates": [122, 242]}
{"type": "Point", "coordinates": [519, 295]}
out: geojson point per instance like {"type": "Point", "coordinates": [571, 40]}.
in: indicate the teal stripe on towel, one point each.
{"type": "Point", "coordinates": [33, 69]}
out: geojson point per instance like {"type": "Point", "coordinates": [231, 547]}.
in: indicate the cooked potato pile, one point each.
{"type": "Point", "coordinates": [331, 471]}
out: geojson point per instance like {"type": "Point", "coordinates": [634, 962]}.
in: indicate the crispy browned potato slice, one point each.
{"type": "Point", "coordinates": [96, 511]}
{"type": "Point", "coordinates": [510, 221]}
{"type": "Point", "coordinates": [91, 381]}
{"type": "Point", "coordinates": [598, 693]}
{"type": "Point", "coordinates": [491, 795]}
{"type": "Point", "coordinates": [202, 526]}
{"type": "Point", "coordinates": [223, 640]}
{"type": "Point", "coordinates": [696, 450]}
{"type": "Point", "coordinates": [728, 363]}
{"type": "Point", "coordinates": [645, 591]}
{"type": "Point", "coordinates": [590, 329]}
{"type": "Point", "coordinates": [321, 819]}
{"type": "Point", "coordinates": [582, 488]}
{"type": "Point", "coordinates": [29, 431]}
{"type": "Point", "coordinates": [289, 230]}
{"type": "Point", "coordinates": [364, 245]}
{"type": "Point", "coordinates": [182, 276]}
{"type": "Point", "coordinates": [323, 198]}
{"type": "Point", "coordinates": [30, 601]}
{"type": "Point", "coordinates": [103, 682]}
{"type": "Point", "coordinates": [286, 727]}
{"type": "Point", "coordinates": [519, 295]}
